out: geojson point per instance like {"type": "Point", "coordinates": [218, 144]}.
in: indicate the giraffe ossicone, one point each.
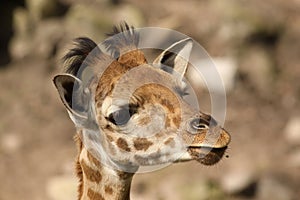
{"type": "Point", "coordinates": [130, 113]}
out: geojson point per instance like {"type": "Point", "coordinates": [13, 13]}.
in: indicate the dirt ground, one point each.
{"type": "Point", "coordinates": [36, 135]}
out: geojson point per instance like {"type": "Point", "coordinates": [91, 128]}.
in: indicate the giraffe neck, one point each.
{"type": "Point", "coordinates": [99, 182]}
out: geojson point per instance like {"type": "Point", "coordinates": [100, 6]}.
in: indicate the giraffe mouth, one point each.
{"type": "Point", "coordinates": [207, 155]}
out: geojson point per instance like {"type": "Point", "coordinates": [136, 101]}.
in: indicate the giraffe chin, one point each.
{"type": "Point", "coordinates": [207, 155]}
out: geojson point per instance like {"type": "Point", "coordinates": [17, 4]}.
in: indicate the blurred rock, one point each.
{"type": "Point", "coordinates": [94, 21]}
{"type": "Point", "coordinates": [37, 35]}
{"type": "Point", "coordinates": [233, 22]}
{"type": "Point", "coordinates": [40, 42]}
{"type": "Point", "coordinates": [292, 136]}
{"type": "Point", "coordinates": [247, 19]}
{"type": "Point", "coordinates": [129, 13]}
{"type": "Point", "coordinates": [62, 188]}
{"type": "Point", "coordinates": [21, 22]}
{"type": "Point", "coordinates": [202, 190]}
{"type": "Point", "coordinates": [293, 159]}
{"type": "Point", "coordinates": [287, 57]}
{"type": "Point", "coordinates": [223, 69]}
{"type": "Point", "coordinates": [48, 34]}
{"type": "Point", "coordinates": [40, 9]}
{"type": "Point", "coordinates": [34, 35]}
{"type": "Point", "coordinates": [20, 44]}
{"type": "Point", "coordinates": [10, 143]}
{"type": "Point", "coordinates": [227, 68]}
{"type": "Point", "coordinates": [87, 20]}
{"type": "Point", "coordinates": [20, 47]}
{"type": "Point", "coordinates": [289, 47]}
{"type": "Point", "coordinates": [257, 67]}
{"type": "Point", "coordinates": [239, 179]}
{"type": "Point", "coordinates": [272, 188]}
{"type": "Point", "coordinates": [292, 131]}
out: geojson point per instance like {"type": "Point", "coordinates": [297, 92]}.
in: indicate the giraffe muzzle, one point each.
{"type": "Point", "coordinates": [206, 155]}
{"type": "Point", "coordinates": [209, 140]}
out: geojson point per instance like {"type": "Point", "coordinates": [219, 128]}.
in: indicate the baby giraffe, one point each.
{"type": "Point", "coordinates": [130, 113]}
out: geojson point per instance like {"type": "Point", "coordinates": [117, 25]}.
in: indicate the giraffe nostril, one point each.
{"type": "Point", "coordinates": [199, 124]}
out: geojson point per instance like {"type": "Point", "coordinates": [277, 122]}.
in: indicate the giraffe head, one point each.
{"type": "Point", "coordinates": [132, 113]}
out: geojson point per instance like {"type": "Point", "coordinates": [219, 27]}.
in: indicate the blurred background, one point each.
{"type": "Point", "coordinates": [255, 43]}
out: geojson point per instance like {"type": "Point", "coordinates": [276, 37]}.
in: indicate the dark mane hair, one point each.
{"type": "Point", "coordinates": [122, 37]}
{"type": "Point", "coordinates": [76, 58]}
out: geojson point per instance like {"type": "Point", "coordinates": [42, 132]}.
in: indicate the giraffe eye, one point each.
{"type": "Point", "coordinates": [199, 124]}
{"type": "Point", "coordinates": [122, 116]}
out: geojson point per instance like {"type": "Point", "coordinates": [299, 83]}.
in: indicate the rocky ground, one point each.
{"type": "Point", "coordinates": [256, 41]}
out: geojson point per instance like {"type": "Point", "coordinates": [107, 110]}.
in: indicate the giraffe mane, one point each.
{"type": "Point", "coordinates": [77, 59]}
{"type": "Point", "coordinates": [121, 38]}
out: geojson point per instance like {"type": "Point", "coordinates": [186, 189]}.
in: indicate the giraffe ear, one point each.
{"type": "Point", "coordinates": [73, 95]}
{"type": "Point", "coordinates": [175, 58]}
